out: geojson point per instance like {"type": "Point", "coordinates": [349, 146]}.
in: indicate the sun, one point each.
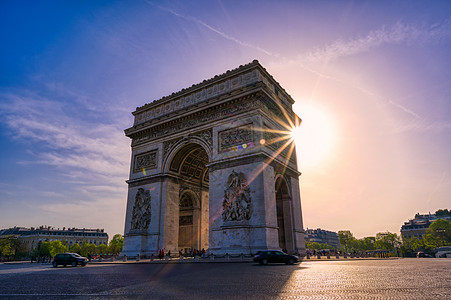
{"type": "Point", "coordinates": [315, 137]}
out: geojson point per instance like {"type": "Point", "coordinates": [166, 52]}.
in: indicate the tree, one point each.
{"type": "Point", "coordinates": [116, 244]}
{"type": "Point", "coordinates": [440, 230]}
{"type": "Point", "coordinates": [387, 241]}
{"type": "Point", "coordinates": [88, 249]}
{"type": "Point", "coordinates": [318, 246]}
{"type": "Point", "coordinates": [75, 248]}
{"type": "Point", "coordinates": [12, 247]}
{"type": "Point", "coordinates": [346, 239]}
{"type": "Point", "coordinates": [56, 247]}
{"type": "Point", "coordinates": [102, 249]}
{"type": "Point", "coordinates": [6, 247]}
{"type": "Point", "coordinates": [367, 243]}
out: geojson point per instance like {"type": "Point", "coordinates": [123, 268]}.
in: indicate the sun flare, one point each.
{"type": "Point", "coordinates": [315, 137]}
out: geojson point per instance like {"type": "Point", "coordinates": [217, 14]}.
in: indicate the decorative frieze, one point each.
{"type": "Point", "coordinates": [238, 136]}
{"type": "Point", "coordinates": [182, 124]}
{"type": "Point", "coordinates": [206, 136]}
{"type": "Point", "coordinates": [145, 161]}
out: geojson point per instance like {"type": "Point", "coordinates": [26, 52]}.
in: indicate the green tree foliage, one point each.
{"type": "Point", "coordinates": [102, 249]}
{"type": "Point", "coordinates": [88, 249]}
{"type": "Point", "coordinates": [43, 249]}
{"type": "Point", "coordinates": [387, 241]}
{"type": "Point", "coordinates": [116, 244]}
{"type": "Point", "coordinates": [6, 247]}
{"type": "Point", "coordinates": [56, 247]}
{"type": "Point", "coordinates": [416, 244]}
{"type": "Point", "coordinates": [439, 232]}
{"type": "Point", "coordinates": [318, 246]}
{"type": "Point", "coordinates": [75, 248]}
{"type": "Point", "coordinates": [12, 247]}
{"type": "Point", "coordinates": [367, 243]}
{"type": "Point", "coordinates": [347, 239]}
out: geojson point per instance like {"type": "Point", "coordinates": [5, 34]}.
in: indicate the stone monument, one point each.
{"type": "Point", "coordinates": [213, 167]}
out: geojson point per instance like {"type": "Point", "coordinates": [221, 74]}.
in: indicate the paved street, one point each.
{"type": "Point", "coordinates": [345, 279]}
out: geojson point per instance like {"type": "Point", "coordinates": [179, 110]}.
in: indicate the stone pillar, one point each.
{"type": "Point", "coordinates": [298, 228]}
{"type": "Point", "coordinates": [170, 226]}
{"type": "Point", "coordinates": [143, 241]}
{"type": "Point", "coordinates": [235, 234]}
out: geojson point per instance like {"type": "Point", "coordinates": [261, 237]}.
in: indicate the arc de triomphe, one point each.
{"type": "Point", "coordinates": [214, 167]}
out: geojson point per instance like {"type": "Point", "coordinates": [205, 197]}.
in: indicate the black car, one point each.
{"type": "Point", "coordinates": [274, 256]}
{"type": "Point", "coordinates": [422, 254]}
{"type": "Point", "coordinates": [72, 259]}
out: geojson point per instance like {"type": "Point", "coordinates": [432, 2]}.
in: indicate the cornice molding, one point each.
{"type": "Point", "coordinates": [224, 84]}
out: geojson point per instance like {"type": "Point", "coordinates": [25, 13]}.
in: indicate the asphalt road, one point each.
{"type": "Point", "coordinates": [353, 279]}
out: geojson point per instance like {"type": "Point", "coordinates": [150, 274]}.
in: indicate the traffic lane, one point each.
{"type": "Point", "coordinates": [218, 281]}
{"type": "Point", "coordinates": [132, 279]}
{"type": "Point", "coordinates": [382, 279]}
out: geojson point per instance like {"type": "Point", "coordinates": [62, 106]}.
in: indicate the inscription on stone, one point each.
{"type": "Point", "coordinates": [145, 161]}
{"type": "Point", "coordinates": [238, 136]}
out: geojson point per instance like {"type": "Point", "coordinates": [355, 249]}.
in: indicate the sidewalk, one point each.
{"type": "Point", "coordinates": [205, 260]}
{"type": "Point", "coordinates": [225, 260]}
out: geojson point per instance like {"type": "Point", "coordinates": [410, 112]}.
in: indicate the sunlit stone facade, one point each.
{"type": "Point", "coordinates": [213, 167]}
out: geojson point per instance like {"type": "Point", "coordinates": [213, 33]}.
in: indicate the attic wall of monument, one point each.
{"type": "Point", "coordinates": [228, 85]}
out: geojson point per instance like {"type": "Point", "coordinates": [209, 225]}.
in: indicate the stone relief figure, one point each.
{"type": "Point", "coordinates": [237, 199]}
{"type": "Point", "coordinates": [141, 210]}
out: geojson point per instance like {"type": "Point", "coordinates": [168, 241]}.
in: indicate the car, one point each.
{"type": "Point", "coordinates": [443, 252]}
{"type": "Point", "coordinates": [72, 259]}
{"type": "Point", "coordinates": [422, 254]}
{"type": "Point", "coordinates": [274, 256]}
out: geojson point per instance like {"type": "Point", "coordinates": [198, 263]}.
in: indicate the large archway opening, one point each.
{"type": "Point", "coordinates": [189, 165]}
{"type": "Point", "coordinates": [283, 210]}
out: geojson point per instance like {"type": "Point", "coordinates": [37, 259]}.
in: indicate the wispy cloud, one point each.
{"type": "Point", "coordinates": [423, 126]}
{"type": "Point", "coordinates": [399, 33]}
{"type": "Point", "coordinates": [66, 141]}
{"type": "Point", "coordinates": [396, 34]}
{"type": "Point", "coordinates": [215, 30]}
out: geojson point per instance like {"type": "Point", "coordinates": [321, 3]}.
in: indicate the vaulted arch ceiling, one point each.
{"type": "Point", "coordinates": [191, 161]}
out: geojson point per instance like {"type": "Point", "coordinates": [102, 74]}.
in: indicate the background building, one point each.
{"type": "Point", "coordinates": [322, 236]}
{"type": "Point", "coordinates": [32, 236]}
{"type": "Point", "coordinates": [417, 227]}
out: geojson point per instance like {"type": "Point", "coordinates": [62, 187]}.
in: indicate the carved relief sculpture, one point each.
{"type": "Point", "coordinates": [141, 210]}
{"type": "Point", "coordinates": [235, 136]}
{"type": "Point", "coordinates": [145, 161]}
{"type": "Point", "coordinates": [237, 204]}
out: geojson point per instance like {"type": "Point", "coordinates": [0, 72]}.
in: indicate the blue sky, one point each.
{"type": "Point", "coordinates": [376, 74]}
